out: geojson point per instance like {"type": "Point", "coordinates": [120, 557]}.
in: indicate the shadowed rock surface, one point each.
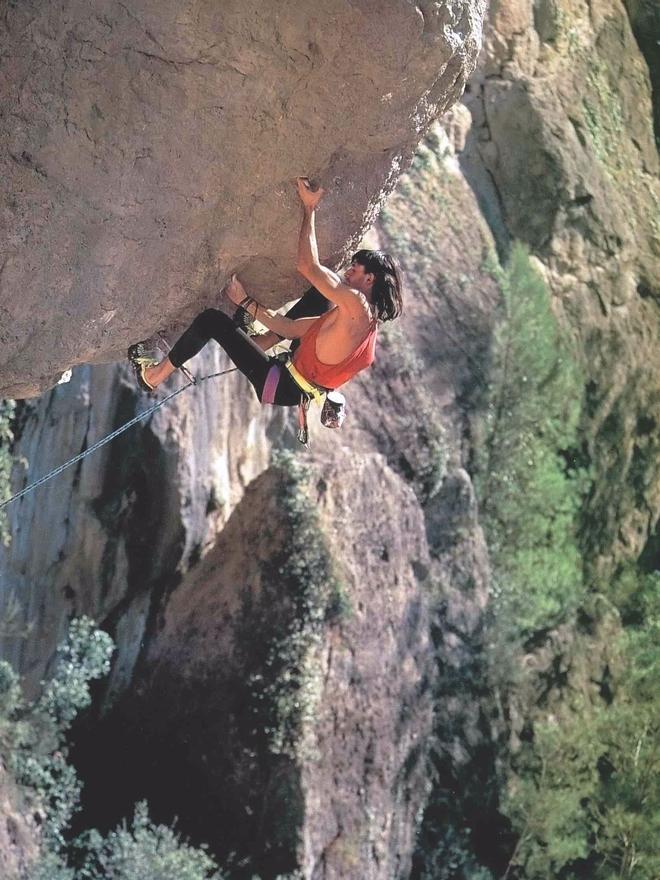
{"type": "Point", "coordinates": [131, 516]}
{"type": "Point", "coordinates": [289, 686]}
{"type": "Point", "coordinates": [19, 833]}
{"type": "Point", "coordinates": [149, 151]}
{"type": "Point", "coordinates": [389, 413]}
{"type": "Point", "coordinates": [645, 20]}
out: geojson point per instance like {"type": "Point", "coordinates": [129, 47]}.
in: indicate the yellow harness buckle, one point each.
{"type": "Point", "coordinates": [313, 390]}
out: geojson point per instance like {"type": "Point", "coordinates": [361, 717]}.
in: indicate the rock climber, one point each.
{"type": "Point", "coordinates": [335, 342]}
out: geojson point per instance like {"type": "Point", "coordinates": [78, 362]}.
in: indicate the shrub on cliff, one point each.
{"type": "Point", "coordinates": [33, 748]}
{"type": "Point", "coordinates": [144, 851]}
{"type": "Point", "coordinates": [33, 736]}
{"type": "Point", "coordinates": [529, 497]}
{"type": "Point", "coordinates": [285, 685]}
{"type": "Point", "coordinates": [586, 798]}
{"type": "Point", "coordinates": [141, 851]}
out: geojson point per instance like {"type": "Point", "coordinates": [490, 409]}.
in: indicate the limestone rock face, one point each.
{"type": "Point", "coordinates": [111, 535]}
{"type": "Point", "coordinates": [555, 148]}
{"type": "Point", "coordinates": [147, 152]}
{"type": "Point", "coordinates": [432, 372]}
{"type": "Point", "coordinates": [298, 718]}
{"type": "Point", "coordinates": [136, 517]}
{"type": "Point", "coordinates": [19, 834]}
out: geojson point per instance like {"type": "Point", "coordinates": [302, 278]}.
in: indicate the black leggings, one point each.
{"type": "Point", "coordinates": [249, 358]}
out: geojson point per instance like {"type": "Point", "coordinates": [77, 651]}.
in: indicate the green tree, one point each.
{"type": "Point", "coordinates": [33, 747]}
{"type": "Point", "coordinates": [33, 736]}
{"type": "Point", "coordinates": [144, 851]}
{"type": "Point", "coordinates": [528, 484]}
{"type": "Point", "coordinates": [587, 791]}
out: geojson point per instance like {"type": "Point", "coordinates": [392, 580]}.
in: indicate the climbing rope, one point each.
{"type": "Point", "coordinates": [104, 440]}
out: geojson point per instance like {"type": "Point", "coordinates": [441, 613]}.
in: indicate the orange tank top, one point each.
{"type": "Point", "coordinates": [332, 375]}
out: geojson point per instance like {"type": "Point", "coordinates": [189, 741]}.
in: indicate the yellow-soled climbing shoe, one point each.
{"type": "Point", "coordinates": [140, 362]}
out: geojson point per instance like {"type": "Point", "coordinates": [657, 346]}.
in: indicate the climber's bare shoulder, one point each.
{"type": "Point", "coordinates": [351, 302]}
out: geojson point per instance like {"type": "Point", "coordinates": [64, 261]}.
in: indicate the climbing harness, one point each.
{"type": "Point", "coordinates": [271, 383]}
{"type": "Point", "coordinates": [333, 402]}
{"type": "Point", "coordinates": [314, 392]}
{"type": "Point", "coordinates": [115, 433]}
{"type": "Point", "coordinates": [308, 392]}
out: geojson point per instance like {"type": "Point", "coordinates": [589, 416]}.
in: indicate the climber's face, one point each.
{"type": "Point", "coordinates": [356, 277]}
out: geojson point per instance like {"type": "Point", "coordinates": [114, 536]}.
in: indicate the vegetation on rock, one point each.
{"type": "Point", "coordinates": [586, 794]}
{"type": "Point", "coordinates": [34, 736]}
{"type": "Point", "coordinates": [285, 689]}
{"type": "Point", "coordinates": [529, 480]}
{"type": "Point", "coordinates": [33, 747]}
{"type": "Point", "coordinates": [581, 787]}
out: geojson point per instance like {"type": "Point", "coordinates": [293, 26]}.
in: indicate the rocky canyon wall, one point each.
{"type": "Point", "coordinates": [299, 652]}
{"type": "Point", "coordinates": [178, 486]}
{"type": "Point", "coordinates": [123, 111]}
{"type": "Point", "coordinates": [562, 155]}
{"type": "Point", "coordinates": [131, 516]}
{"type": "Point", "coordinates": [391, 763]}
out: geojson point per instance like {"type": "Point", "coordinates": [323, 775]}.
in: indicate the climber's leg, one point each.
{"type": "Point", "coordinates": [250, 360]}
{"type": "Point", "coordinates": [214, 324]}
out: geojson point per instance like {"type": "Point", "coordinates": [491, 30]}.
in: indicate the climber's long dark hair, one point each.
{"type": "Point", "coordinates": [387, 285]}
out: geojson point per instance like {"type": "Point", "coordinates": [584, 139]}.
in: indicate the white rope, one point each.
{"type": "Point", "coordinates": [104, 440]}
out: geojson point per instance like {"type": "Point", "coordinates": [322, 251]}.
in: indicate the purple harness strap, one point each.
{"type": "Point", "coordinates": [271, 383]}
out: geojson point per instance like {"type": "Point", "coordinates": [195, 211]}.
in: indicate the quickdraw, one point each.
{"type": "Point", "coordinates": [308, 393]}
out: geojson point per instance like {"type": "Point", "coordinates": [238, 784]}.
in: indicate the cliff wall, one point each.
{"type": "Point", "coordinates": [553, 147]}
{"type": "Point", "coordinates": [149, 152]}
{"type": "Point", "coordinates": [562, 155]}
{"type": "Point", "coordinates": [131, 516]}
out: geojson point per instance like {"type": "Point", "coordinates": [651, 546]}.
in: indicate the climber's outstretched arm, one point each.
{"type": "Point", "coordinates": [284, 327]}
{"type": "Point", "coordinates": [312, 304]}
{"type": "Point", "coordinates": [309, 265]}
{"type": "Point", "coordinates": [287, 328]}
{"type": "Point", "coordinates": [264, 341]}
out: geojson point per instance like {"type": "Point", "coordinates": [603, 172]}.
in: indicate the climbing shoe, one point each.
{"type": "Point", "coordinates": [140, 361]}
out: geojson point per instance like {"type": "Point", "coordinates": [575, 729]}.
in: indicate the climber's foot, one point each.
{"type": "Point", "coordinates": [166, 348]}
{"type": "Point", "coordinates": [148, 371]}
{"type": "Point", "coordinates": [155, 373]}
